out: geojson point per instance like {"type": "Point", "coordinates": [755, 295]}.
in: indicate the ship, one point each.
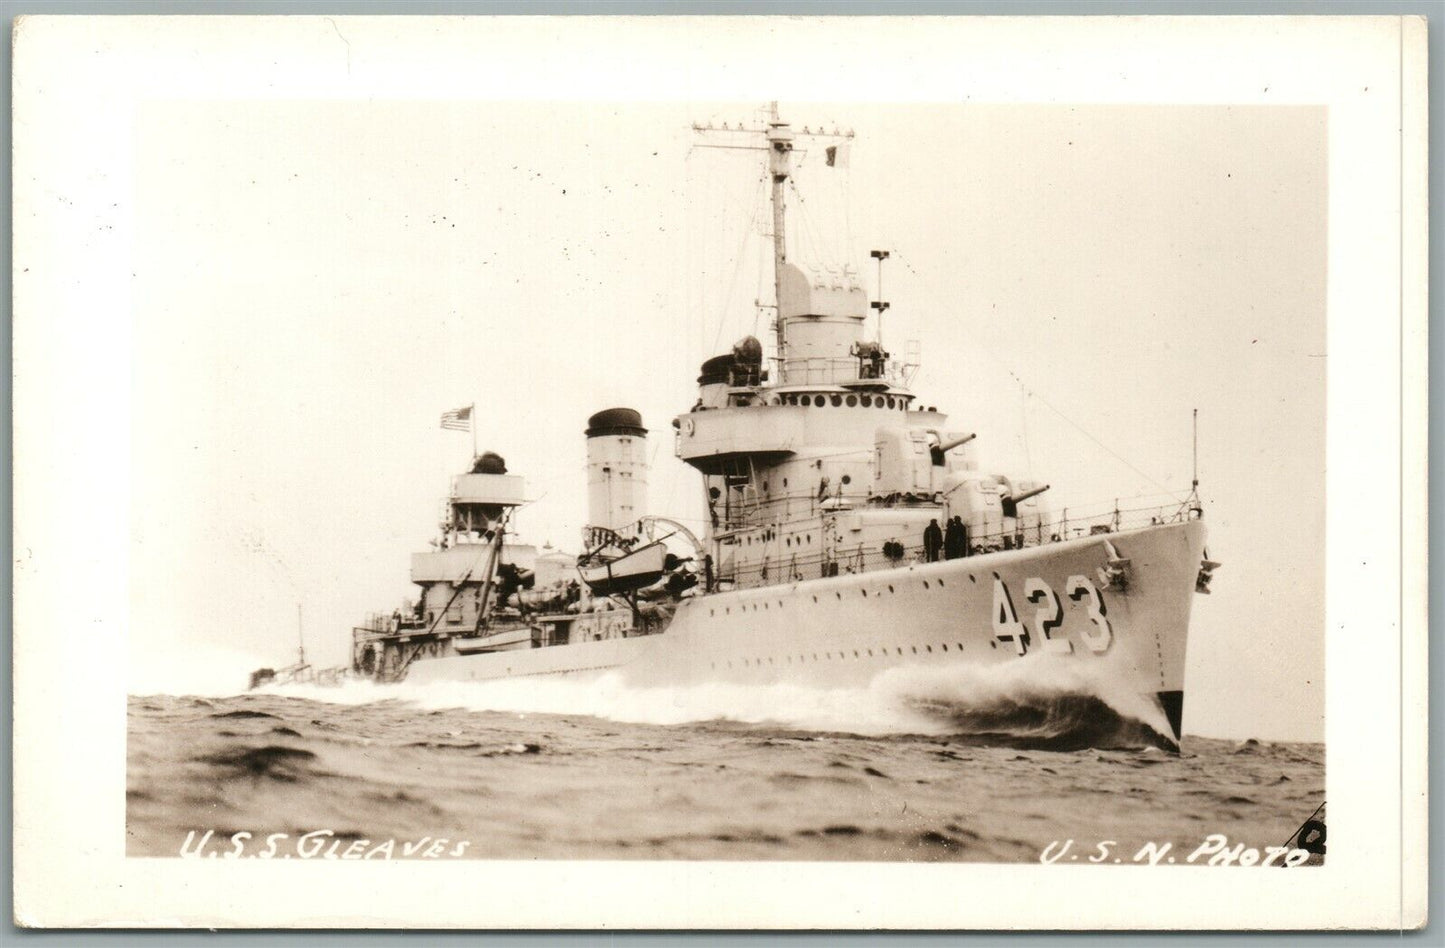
{"type": "Point", "coordinates": [850, 530]}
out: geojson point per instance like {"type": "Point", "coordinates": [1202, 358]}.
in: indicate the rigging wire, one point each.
{"type": "Point", "coordinates": [811, 230]}
{"type": "Point", "coordinates": [1030, 393]}
{"type": "Point", "coordinates": [1082, 430]}
{"type": "Point", "coordinates": [737, 267]}
{"type": "Point", "coordinates": [1024, 428]}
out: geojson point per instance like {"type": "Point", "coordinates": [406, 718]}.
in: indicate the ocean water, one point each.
{"type": "Point", "coordinates": [918, 766]}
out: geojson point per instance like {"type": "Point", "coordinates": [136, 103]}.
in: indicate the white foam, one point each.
{"type": "Point", "coordinates": [205, 670]}
{"type": "Point", "coordinates": [894, 702]}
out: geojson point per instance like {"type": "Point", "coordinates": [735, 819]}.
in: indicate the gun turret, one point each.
{"type": "Point", "coordinates": [1010, 502]}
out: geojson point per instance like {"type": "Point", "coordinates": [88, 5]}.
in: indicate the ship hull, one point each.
{"type": "Point", "coordinates": [1121, 598]}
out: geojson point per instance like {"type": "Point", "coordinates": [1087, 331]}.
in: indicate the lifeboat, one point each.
{"type": "Point", "coordinates": [626, 573]}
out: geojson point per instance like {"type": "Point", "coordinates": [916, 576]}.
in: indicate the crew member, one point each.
{"type": "Point", "coordinates": [953, 539]}
{"type": "Point", "coordinates": [932, 541]}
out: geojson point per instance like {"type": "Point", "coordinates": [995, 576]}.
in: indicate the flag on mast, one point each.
{"type": "Point", "coordinates": [458, 419]}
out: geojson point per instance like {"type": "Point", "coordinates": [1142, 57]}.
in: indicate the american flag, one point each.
{"type": "Point", "coordinates": [458, 419]}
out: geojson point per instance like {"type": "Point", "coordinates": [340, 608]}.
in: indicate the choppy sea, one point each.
{"type": "Point", "coordinates": [920, 766]}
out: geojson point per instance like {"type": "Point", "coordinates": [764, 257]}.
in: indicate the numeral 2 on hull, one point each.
{"type": "Point", "coordinates": [1049, 616]}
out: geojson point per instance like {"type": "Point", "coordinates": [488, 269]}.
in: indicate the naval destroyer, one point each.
{"type": "Point", "coordinates": [849, 530]}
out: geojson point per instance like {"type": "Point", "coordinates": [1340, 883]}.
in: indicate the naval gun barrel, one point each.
{"type": "Point", "coordinates": [1017, 499]}
{"type": "Point", "coordinates": [946, 446]}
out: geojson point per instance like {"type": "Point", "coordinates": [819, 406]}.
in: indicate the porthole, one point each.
{"type": "Point", "coordinates": [815, 598]}
{"type": "Point", "coordinates": [865, 593]}
{"type": "Point", "coordinates": [818, 400]}
{"type": "Point", "coordinates": [852, 401]}
{"type": "Point", "coordinates": [900, 650]}
{"type": "Point", "coordinates": [838, 594]}
{"type": "Point", "coordinates": [785, 482]}
{"type": "Point", "coordinates": [866, 401]}
{"type": "Point", "coordinates": [870, 653]}
{"type": "Point", "coordinates": [929, 647]}
{"type": "Point", "coordinates": [925, 584]}
{"type": "Point", "coordinates": [855, 653]}
{"type": "Point", "coordinates": [890, 401]}
{"type": "Point", "coordinates": [940, 581]}
{"type": "Point", "coordinates": [815, 656]}
{"type": "Point", "coordinates": [915, 649]}
{"type": "Point", "coordinates": [847, 478]}
{"type": "Point", "coordinates": [960, 646]}
{"type": "Point", "coordinates": [945, 646]}
{"type": "Point", "coordinates": [879, 402]}
{"type": "Point", "coordinates": [890, 587]}
{"type": "Point", "coordinates": [836, 400]}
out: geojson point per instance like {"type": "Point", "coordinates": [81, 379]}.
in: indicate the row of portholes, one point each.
{"type": "Point", "coordinates": [728, 610]}
{"type": "Point", "coordinates": [839, 656]}
{"type": "Point", "coordinates": [891, 590]}
{"type": "Point", "coordinates": [847, 479]}
{"type": "Point", "coordinates": [851, 400]}
{"type": "Point", "coordinates": [790, 540]}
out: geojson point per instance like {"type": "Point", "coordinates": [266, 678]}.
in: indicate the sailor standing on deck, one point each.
{"type": "Point", "coordinates": [932, 541]}
{"type": "Point", "coordinates": [953, 539]}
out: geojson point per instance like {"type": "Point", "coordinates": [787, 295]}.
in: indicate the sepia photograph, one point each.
{"type": "Point", "coordinates": [701, 514]}
{"type": "Point", "coordinates": [727, 478]}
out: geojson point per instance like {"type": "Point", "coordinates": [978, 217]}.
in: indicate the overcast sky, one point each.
{"type": "Point", "coordinates": [315, 282]}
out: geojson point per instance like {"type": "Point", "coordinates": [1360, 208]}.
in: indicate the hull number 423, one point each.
{"type": "Point", "coordinates": [1047, 632]}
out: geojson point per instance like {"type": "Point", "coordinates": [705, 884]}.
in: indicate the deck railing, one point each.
{"type": "Point", "coordinates": [865, 557]}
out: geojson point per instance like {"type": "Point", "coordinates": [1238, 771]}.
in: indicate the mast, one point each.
{"type": "Point", "coordinates": [1192, 501]}
{"type": "Point", "coordinates": [1196, 449]}
{"type": "Point", "coordinates": [777, 139]}
{"type": "Point", "coordinates": [780, 153]}
{"type": "Point", "coordinates": [493, 555]}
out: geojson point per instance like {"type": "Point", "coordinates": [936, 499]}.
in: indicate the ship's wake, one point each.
{"type": "Point", "coordinates": [1036, 702]}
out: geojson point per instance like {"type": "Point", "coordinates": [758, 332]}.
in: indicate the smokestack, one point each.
{"type": "Point", "coordinates": [616, 468]}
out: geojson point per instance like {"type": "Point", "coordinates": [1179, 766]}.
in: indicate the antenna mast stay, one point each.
{"type": "Point", "coordinates": [777, 141]}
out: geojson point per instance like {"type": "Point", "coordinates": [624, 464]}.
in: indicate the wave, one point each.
{"type": "Point", "coordinates": [1041, 702]}
{"type": "Point", "coordinates": [207, 671]}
